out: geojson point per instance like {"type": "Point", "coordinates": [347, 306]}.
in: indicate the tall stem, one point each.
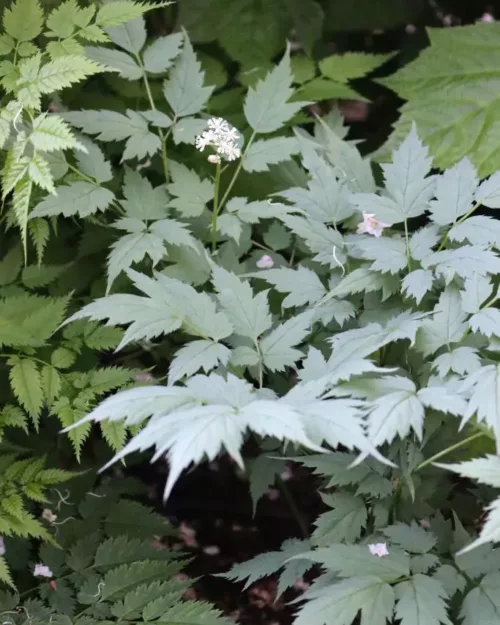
{"type": "Point", "coordinates": [216, 207]}
{"type": "Point", "coordinates": [237, 170]}
{"type": "Point", "coordinates": [163, 138]}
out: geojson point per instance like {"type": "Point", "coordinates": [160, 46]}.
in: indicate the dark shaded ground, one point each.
{"type": "Point", "coordinates": [212, 508]}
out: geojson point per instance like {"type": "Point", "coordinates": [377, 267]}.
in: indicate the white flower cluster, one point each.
{"type": "Point", "coordinates": [222, 137]}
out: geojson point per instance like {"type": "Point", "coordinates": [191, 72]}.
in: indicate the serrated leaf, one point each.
{"type": "Point", "coordinates": [460, 360]}
{"type": "Point", "coordinates": [21, 205]}
{"type": "Point", "coordinates": [78, 198]}
{"type": "Point", "coordinates": [266, 105]}
{"type": "Point", "coordinates": [488, 192]}
{"type": "Point", "coordinates": [388, 254]}
{"type": "Point", "coordinates": [122, 11]}
{"type": "Point", "coordinates": [486, 470]}
{"type": "Point", "coordinates": [455, 190]}
{"type": "Point", "coordinates": [248, 314]}
{"type": "Point", "coordinates": [407, 184]}
{"type": "Point", "coordinates": [40, 174]}
{"type": "Point", "coordinates": [320, 239]}
{"type": "Point", "coordinates": [421, 601]}
{"type": "Point", "coordinates": [51, 133]}
{"type": "Point", "coordinates": [417, 283]}
{"type": "Point", "coordinates": [5, 574]}
{"type": "Point", "coordinates": [412, 538]}
{"type": "Point", "coordinates": [446, 326]}
{"type": "Point", "coordinates": [92, 162]}
{"type": "Point", "coordinates": [486, 322]}
{"type": "Point", "coordinates": [344, 522]}
{"type": "Point", "coordinates": [278, 347]}
{"type": "Point", "coordinates": [302, 285]}
{"type": "Point", "coordinates": [26, 385]}
{"type": "Point", "coordinates": [23, 20]}
{"type": "Point", "coordinates": [184, 89]}
{"type": "Point", "coordinates": [192, 193]}
{"type": "Point", "coordinates": [123, 63]}
{"type": "Point", "coordinates": [263, 472]}
{"type": "Point", "coordinates": [203, 354]}
{"type": "Point", "coordinates": [267, 152]}
{"type": "Point", "coordinates": [479, 230]}
{"type": "Point", "coordinates": [345, 599]}
{"type": "Point", "coordinates": [159, 56]}
{"type": "Point", "coordinates": [344, 67]}
{"type": "Point", "coordinates": [130, 36]}
{"type": "Point", "coordinates": [423, 240]}
{"type": "Point", "coordinates": [484, 400]}
{"type": "Point", "coordinates": [130, 249]}
{"type": "Point", "coordinates": [51, 383]}
{"type": "Point", "coordinates": [475, 293]}
{"type": "Point", "coordinates": [481, 605]}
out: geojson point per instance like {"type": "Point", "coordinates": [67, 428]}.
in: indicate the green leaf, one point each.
{"type": "Point", "coordinates": [460, 360]}
{"type": "Point", "coordinates": [248, 314]}
{"type": "Point", "coordinates": [26, 385]}
{"type": "Point", "coordinates": [412, 538]}
{"type": "Point", "coordinates": [130, 249]}
{"type": "Point", "coordinates": [125, 64]}
{"type": "Point", "coordinates": [320, 239]}
{"type": "Point", "coordinates": [113, 126]}
{"type": "Point", "coordinates": [488, 192]}
{"type": "Point", "coordinates": [184, 89]}
{"type": "Point", "coordinates": [408, 187]}
{"type": "Point", "coordinates": [23, 20]}
{"type": "Point", "coordinates": [77, 198]}
{"type": "Point", "coordinates": [119, 12]}
{"type": "Point", "coordinates": [278, 346]}
{"type": "Point", "coordinates": [51, 383]}
{"type": "Point", "coordinates": [481, 606]}
{"type": "Point", "coordinates": [342, 68]}
{"type": "Point", "coordinates": [388, 254]}
{"type": "Point", "coordinates": [267, 152]}
{"type": "Point", "coordinates": [92, 162]}
{"type": "Point", "coordinates": [454, 193]}
{"type": "Point", "coordinates": [40, 174]}
{"type": "Point", "coordinates": [417, 283]}
{"type": "Point", "coordinates": [308, 18]}
{"type": "Point", "coordinates": [266, 106]}
{"type": "Point", "coordinates": [203, 354]}
{"type": "Point", "coordinates": [5, 574]}
{"type": "Point", "coordinates": [21, 206]}
{"type": "Point", "coordinates": [423, 240]}
{"type": "Point", "coordinates": [374, 598]}
{"type": "Point", "coordinates": [192, 193]}
{"type": "Point", "coordinates": [114, 433]}
{"type": "Point", "coordinates": [356, 560]}
{"type": "Point", "coordinates": [130, 36]}
{"type": "Point", "coordinates": [421, 601]}
{"type": "Point", "coordinates": [263, 473]}
{"type": "Point", "coordinates": [475, 293]}
{"type": "Point", "coordinates": [486, 322]}
{"type": "Point", "coordinates": [446, 326]}
{"type": "Point", "coordinates": [479, 230]}
{"type": "Point", "coordinates": [344, 522]}
{"type": "Point", "coordinates": [439, 87]}
{"type": "Point", "coordinates": [159, 56]}
{"type": "Point", "coordinates": [51, 133]}
{"type": "Point", "coordinates": [302, 285]}
{"type": "Point", "coordinates": [142, 201]}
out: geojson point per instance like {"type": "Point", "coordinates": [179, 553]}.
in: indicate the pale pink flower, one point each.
{"type": "Point", "coordinates": [370, 225]}
{"type": "Point", "coordinates": [486, 18]}
{"type": "Point", "coordinates": [301, 585]}
{"type": "Point", "coordinates": [48, 515]}
{"type": "Point", "coordinates": [2, 546]}
{"type": "Point", "coordinates": [410, 29]}
{"type": "Point", "coordinates": [378, 549]}
{"type": "Point", "coordinates": [41, 570]}
{"type": "Point", "coordinates": [265, 262]}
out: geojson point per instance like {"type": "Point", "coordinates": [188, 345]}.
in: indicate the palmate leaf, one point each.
{"type": "Point", "coordinates": [481, 606]}
{"type": "Point", "coordinates": [421, 601]}
{"type": "Point", "coordinates": [266, 106]}
{"type": "Point", "coordinates": [130, 249]}
{"type": "Point", "coordinates": [192, 193]}
{"type": "Point", "coordinates": [202, 354]}
{"type": "Point", "coordinates": [278, 347]}
{"type": "Point", "coordinates": [452, 70]}
{"type": "Point", "coordinates": [342, 601]}
{"type": "Point", "coordinates": [455, 190]}
{"type": "Point", "coordinates": [343, 523]}
{"type": "Point", "coordinates": [407, 184]}
{"type": "Point", "coordinates": [478, 230]}
{"type": "Point", "coordinates": [417, 283]}
{"type": "Point", "coordinates": [184, 89]}
{"type": "Point", "coordinates": [484, 400]}
{"type": "Point", "coordinates": [267, 152]}
{"type": "Point", "coordinates": [302, 285]}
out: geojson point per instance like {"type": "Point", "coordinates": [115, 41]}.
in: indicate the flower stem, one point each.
{"type": "Point", "coordinates": [407, 239]}
{"type": "Point", "coordinates": [216, 208]}
{"type": "Point", "coordinates": [448, 450]}
{"type": "Point", "coordinates": [237, 170]}
{"type": "Point", "coordinates": [163, 138]}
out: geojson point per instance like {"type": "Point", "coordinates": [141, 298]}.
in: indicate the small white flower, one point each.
{"type": "Point", "coordinates": [265, 262]}
{"type": "Point", "coordinates": [214, 159]}
{"type": "Point", "coordinates": [205, 139]}
{"type": "Point", "coordinates": [229, 151]}
{"type": "Point", "coordinates": [378, 549]}
{"type": "Point", "coordinates": [2, 546]}
{"type": "Point", "coordinates": [370, 225]}
{"type": "Point", "coordinates": [218, 125]}
{"type": "Point", "coordinates": [232, 134]}
{"type": "Point", "coordinates": [49, 516]}
{"type": "Point", "coordinates": [41, 570]}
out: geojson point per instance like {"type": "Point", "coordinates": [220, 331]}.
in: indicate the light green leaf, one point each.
{"type": "Point", "coordinates": [360, 280]}
{"type": "Point", "coordinates": [344, 522]}
{"type": "Point", "coordinates": [51, 383]}
{"type": "Point", "coordinates": [248, 314]}
{"type": "Point", "coordinates": [119, 12]}
{"type": "Point", "coordinates": [184, 89]}
{"type": "Point", "coordinates": [345, 599]}
{"type": "Point", "coordinates": [203, 354]}
{"type": "Point", "coordinates": [26, 385]}
{"type": "Point", "coordinates": [417, 283]}
{"type": "Point", "coordinates": [479, 230]}
{"type": "Point", "coordinates": [454, 193]}
{"type": "Point", "coordinates": [302, 285]}
{"type": "Point", "coordinates": [488, 192]}
{"type": "Point", "coordinates": [23, 20]}
{"type": "Point", "coordinates": [267, 152]}
{"type": "Point", "coordinates": [412, 538]}
{"type": "Point", "coordinates": [278, 347]}
{"type": "Point", "coordinates": [92, 162]}
{"type": "Point", "coordinates": [423, 240]}
{"type": "Point", "coordinates": [486, 322]}
{"type": "Point", "coordinates": [450, 578]}
{"type": "Point", "coordinates": [142, 201]}
{"type": "Point", "coordinates": [5, 575]}
{"type": "Point", "coordinates": [114, 433]}
{"type": "Point", "coordinates": [421, 601]}
{"type": "Point", "coordinates": [230, 226]}
{"type": "Point", "coordinates": [21, 206]}
{"type": "Point", "coordinates": [117, 60]}
{"type": "Point", "coordinates": [263, 473]}
{"type": "Point", "coordinates": [130, 36]}
{"type": "Point", "coordinates": [443, 399]}
{"type": "Point", "coordinates": [486, 470]}
{"type": "Point", "coordinates": [467, 261]}
{"type": "Point", "coordinates": [173, 232]}
{"type": "Point", "coordinates": [159, 56]}
{"type": "Point", "coordinates": [476, 291]}
{"type": "Point", "coordinates": [484, 401]}
{"type": "Point", "coordinates": [320, 239]}
{"type": "Point", "coordinates": [388, 254]}
{"type": "Point", "coordinates": [77, 198]}
{"type": "Point", "coordinates": [266, 106]}
{"type": "Point", "coordinates": [342, 68]}
{"type": "Point", "coordinates": [461, 360]}
{"type": "Point", "coordinates": [130, 249]}
{"type": "Point", "coordinates": [481, 606]}
{"type": "Point", "coordinates": [192, 193]}
{"type": "Point", "coordinates": [408, 186]}
{"type": "Point", "coordinates": [446, 326]}
{"type": "Point", "coordinates": [51, 133]}
{"type": "Point", "coordinates": [40, 174]}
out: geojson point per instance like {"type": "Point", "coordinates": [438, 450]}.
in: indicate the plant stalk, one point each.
{"type": "Point", "coordinates": [216, 208]}
{"type": "Point", "coordinates": [448, 450]}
